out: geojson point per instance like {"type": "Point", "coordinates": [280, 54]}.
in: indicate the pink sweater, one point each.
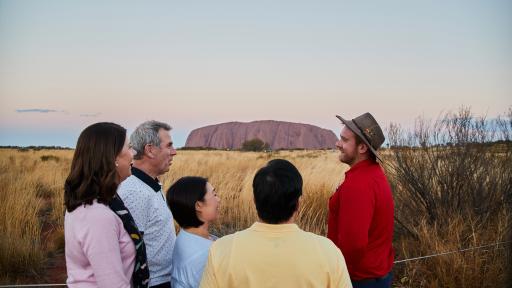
{"type": "Point", "coordinates": [99, 251]}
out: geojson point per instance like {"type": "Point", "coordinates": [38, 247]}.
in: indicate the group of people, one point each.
{"type": "Point", "coordinates": [119, 224]}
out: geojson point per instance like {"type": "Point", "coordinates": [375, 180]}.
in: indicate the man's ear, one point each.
{"type": "Point", "coordinates": [362, 148]}
{"type": "Point", "coordinates": [148, 151]}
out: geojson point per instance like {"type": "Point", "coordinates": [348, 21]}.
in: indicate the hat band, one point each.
{"type": "Point", "coordinates": [362, 133]}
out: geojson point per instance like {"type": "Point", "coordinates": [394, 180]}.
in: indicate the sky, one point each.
{"type": "Point", "coordinates": [67, 64]}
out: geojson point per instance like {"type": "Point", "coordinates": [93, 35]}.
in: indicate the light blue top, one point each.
{"type": "Point", "coordinates": [188, 259]}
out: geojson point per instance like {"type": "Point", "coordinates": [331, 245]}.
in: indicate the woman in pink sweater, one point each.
{"type": "Point", "coordinates": [103, 245]}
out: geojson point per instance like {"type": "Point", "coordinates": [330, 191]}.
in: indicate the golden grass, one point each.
{"type": "Point", "coordinates": [32, 210]}
{"type": "Point", "coordinates": [232, 172]}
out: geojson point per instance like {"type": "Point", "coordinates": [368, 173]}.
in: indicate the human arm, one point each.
{"type": "Point", "coordinates": [209, 279]}
{"type": "Point", "coordinates": [100, 244]}
{"type": "Point", "coordinates": [342, 278]}
{"type": "Point", "coordinates": [356, 207]}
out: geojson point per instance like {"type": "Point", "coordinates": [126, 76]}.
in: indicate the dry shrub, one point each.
{"type": "Point", "coordinates": [49, 158]}
{"type": "Point", "coordinates": [452, 183]}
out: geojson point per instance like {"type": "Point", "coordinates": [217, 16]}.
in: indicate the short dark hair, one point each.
{"type": "Point", "coordinates": [182, 197]}
{"type": "Point", "coordinates": [277, 188]}
{"type": "Point", "coordinates": [93, 174]}
{"type": "Point", "coordinates": [370, 153]}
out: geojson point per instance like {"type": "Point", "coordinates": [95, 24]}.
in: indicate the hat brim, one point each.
{"type": "Point", "coordinates": [353, 127]}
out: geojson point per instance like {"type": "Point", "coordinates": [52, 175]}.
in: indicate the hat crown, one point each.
{"type": "Point", "coordinates": [370, 129]}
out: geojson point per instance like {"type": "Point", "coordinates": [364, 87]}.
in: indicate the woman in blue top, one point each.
{"type": "Point", "coordinates": [194, 204]}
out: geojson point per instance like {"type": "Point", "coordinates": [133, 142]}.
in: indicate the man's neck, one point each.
{"type": "Point", "coordinates": [289, 221]}
{"type": "Point", "coordinates": [146, 168]}
{"type": "Point", "coordinates": [358, 160]}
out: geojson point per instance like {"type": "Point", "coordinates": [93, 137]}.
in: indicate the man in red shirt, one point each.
{"type": "Point", "coordinates": [360, 219]}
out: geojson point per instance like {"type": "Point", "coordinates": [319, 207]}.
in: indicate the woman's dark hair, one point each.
{"type": "Point", "coordinates": [277, 188]}
{"type": "Point", "coordinates": [93, 173]}
{"type": "Point", "coordinates": [182, 197]}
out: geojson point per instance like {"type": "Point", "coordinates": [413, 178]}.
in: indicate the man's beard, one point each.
{"type": "Point", "coordinates": [344, 158]}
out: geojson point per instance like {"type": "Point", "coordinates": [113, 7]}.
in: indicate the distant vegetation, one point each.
{"type": "Point", "coordinates": [35, 148]}
{"type": "Point", "coordinates": [198, 148]}
{"type": "Point", "coordinates": [50, 158]}
{"type": "Point", "coordinates": [255, 145]}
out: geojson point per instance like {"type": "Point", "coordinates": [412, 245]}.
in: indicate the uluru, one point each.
{"type": "Point", "coordinates": [278, 134]}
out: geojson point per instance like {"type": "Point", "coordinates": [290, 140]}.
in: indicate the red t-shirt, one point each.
{"type": "Point", "coordinates": [360, 221]}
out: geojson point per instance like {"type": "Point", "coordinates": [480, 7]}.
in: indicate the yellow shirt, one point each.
{"type": "Point", "coordinates": [283, 255]}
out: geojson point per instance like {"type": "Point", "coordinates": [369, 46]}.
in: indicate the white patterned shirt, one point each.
{"type": "Point", "coordinates": [143, 196]}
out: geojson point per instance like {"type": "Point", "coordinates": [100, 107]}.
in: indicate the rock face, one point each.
{"type": "Point", "coordinates": [278, 134]}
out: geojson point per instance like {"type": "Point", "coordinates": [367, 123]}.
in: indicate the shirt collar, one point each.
{"type": "Point", "coordinates": [151, 182]}
{"type": "Point", "coordinates": [189, 234]}
{"type": "Point", "coordinates": [359, 165]}
{"type": "Point", "coordinates": [264, 227]}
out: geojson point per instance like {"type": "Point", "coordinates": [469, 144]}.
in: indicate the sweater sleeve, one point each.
{"type": "Point", "coordinates": [101, 247]}
{"type": "Point", "coordinates": [355, 216]}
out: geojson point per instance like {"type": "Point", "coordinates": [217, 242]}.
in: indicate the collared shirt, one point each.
{"type": "Point", "coordinates": [266, 255]}
{"type": "Point", "coordinates": [188, 259]}
{"type": "Point", "coordinates": [360, 221]}
{"type": "Point", "coordinates": [143, 196]}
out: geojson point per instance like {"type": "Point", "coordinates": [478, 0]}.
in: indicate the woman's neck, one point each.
{"type": "Point", "coordinates": [201, 231]}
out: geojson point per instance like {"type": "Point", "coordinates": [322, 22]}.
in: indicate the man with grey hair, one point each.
{"type": "Point", "coordinates": [142, 195]}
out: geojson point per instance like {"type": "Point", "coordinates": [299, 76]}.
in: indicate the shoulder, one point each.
{"type": "Point", "coordinates": [324, 244]}
{"type": "Point", "coordinates": [367, 176]}
{"type": "Point", "coordinates": [130, 183]}
{"type": "Point", "coordinates": [320, 240]}
{"type": "Point", "coordinates": [102, 211]}
{"type": "Point", "coordinates": [375, 170]}
{"type": "Point", "coordinates": [377, 177]}
{"type": "Point", "coordinates": [94, 217]}
{"type": "Point", "coordinates": [225, 241]}
{"type": "Point", "coordinates": [96, 211]}
{"type": "Point", "coordinates": [223, 249]}
{"type": "Point", "coordinates": [224, 245]}
{"type": "Point", "coordinates": [328, 252]}
{"type": "Point", "coordinates": [133, 188]}
{"type": "Point", "coordinates": [188, 248]}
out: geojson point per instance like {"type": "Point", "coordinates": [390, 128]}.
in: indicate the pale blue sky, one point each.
{"type": "Point", "coordinates": [196, 63]}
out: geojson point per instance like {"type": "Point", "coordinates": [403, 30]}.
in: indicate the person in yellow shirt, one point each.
{"type": "Point", "coordinates": [274, 251]}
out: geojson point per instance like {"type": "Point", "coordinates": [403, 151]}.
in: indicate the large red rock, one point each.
{"type": "Point", "coordinates": [278, 134]}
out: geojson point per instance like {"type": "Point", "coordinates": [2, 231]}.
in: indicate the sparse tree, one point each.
{"type": "Point", "coordinates": [255, 144]}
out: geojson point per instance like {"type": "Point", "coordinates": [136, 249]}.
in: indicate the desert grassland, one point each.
{"type": "Point", "coordinates": [232, 173]}
{"type": "Point", "coordinates": [32, 211]}
{"type": "Point", "coordinates": [31, 214]}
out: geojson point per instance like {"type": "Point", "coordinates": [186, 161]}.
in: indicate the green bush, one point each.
{"type": "Point", "coordinates": [255, 144]}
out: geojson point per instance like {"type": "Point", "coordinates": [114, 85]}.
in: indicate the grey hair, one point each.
{"type": "Point", "coordinates": [146, 133]}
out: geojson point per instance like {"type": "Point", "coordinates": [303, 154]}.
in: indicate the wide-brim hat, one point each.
{"type": "Point", "coordinates": [367, 128]}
